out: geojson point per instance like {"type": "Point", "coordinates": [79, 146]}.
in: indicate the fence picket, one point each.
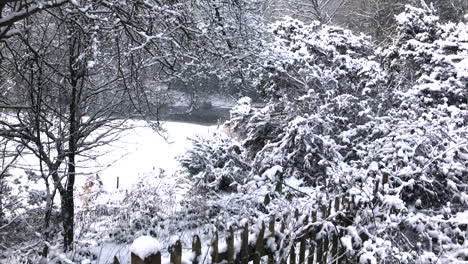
{"type": "Point", "coordinates": [230, 245]}
{"type": "Point", "coordinates": [244, 253]}
{"type": "Point", "coordinates": [283, 223]}
{"type": "Point", "coordinates": [334, 251]}
{"type": "Point", "coordinates": [319, 251]}
{"type": "Point", "coordinates": [214, 249]}
{"type": "Point", "coordinates": [259, 245]}
{"type": "Point", "coordinates": [135, 259]}
{"type": "Point", "coordinates": [342, 250]}
{"type": "Point", "coordinates": [302, 250]}
{"type": "Point", "coordinates": [324, 212]}
{"type": "Point", "coordinates": [156, 258]}
{"type": "Point", "coordinates": [196, 249]}
{"type": "Point", "coordinates": [312, 238]}
{"type": "Point", "coordinates": [292, 254]}
{"type": "Point", "coordinates": [376, 188]}
{"type": "Point", "coordinates": [303, 245]}
{"type": "Point", "coordinates": [337, 204]}
{"type": "Point", "coordinates": [325, 244]}
{"type": "Point", "coordinates": [176, 253]}
{"type": "Point", "coordinates": [271, 228]}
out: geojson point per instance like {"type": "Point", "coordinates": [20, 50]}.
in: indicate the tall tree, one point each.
{"type": "Point", "coordinates": [68, 87]}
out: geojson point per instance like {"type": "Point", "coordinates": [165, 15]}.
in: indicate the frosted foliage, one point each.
{"type": "Point", "coordinates": [386, 128]}
{"type": "Point", "coordinates": [394, 135]}
{"type": "Point", "coordinates": [216, 163]}
{"type": "Point", "coordinates": [318, 60]}
{"type": "Point", "coordinates": [431, 55]}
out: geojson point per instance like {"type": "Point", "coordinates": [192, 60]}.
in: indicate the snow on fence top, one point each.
{"type": "Point", "coordinates": [145, 246]}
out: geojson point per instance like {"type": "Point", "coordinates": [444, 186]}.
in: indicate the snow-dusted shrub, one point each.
{"type": "Point", "coordinates": [142, 210]}
{"type": "Point", "coordinates": [419, 147]}
{"type": "Point", "coordinates": [301, 152]}
{"type": "Point", "coordinates": [426, 141]}
{"type": "Point", "coordinates": [216, 163]}
{"type": "Point", "coordinates": [255, 126]}
{"type": "Point", "coordinates": [318, 61]}
{"type": "Point", "coordinates": [431, 55]}
{"type": "Point", "coordinates": [323, 86]}
{"type": "Point", "coordinates": [393, 137]}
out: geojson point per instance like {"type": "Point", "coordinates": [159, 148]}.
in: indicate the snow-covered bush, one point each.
{"type": "Point", "coordinates": [394, 137]}
{"type": "Point", "coordinates": [23, 231]}
{"type": "Point", "coordinates": [418, 149]}
{"type": "Point", "coordinates": [255, 126]}
{"type": "Point", "coordinates": [430, 57]}
{"type": "Point", "coordinates": [307, 66]}
{"type": "Point", "coordinates": [427, 140]}
{"type": "Point", "coordinates": [323, 86]}
{"type": "Point", "coordinates": [216, 163]}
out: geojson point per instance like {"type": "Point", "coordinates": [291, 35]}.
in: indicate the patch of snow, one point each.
{"type": "Point", "coordinates": [145, 246]}
{"type": "Point", "coordinates": [272, 172]}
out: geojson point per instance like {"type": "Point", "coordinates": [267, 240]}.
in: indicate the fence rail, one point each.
{"type": "Point", "coordinates": [316, 239]}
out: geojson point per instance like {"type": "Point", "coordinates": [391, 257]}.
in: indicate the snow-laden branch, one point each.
{"type": "Point", "coordinates": [16, 16]}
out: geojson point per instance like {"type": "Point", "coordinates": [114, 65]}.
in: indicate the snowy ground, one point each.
{"type": "Point", "coordinates": [139, 158]}
{"type": "Point", "coordinates": [137, 152]}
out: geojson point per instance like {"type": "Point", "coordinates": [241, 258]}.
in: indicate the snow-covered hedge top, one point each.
{"type": "Point", "coordinates": [329, 60]}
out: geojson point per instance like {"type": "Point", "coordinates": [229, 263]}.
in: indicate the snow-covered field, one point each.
{"type": "Point", "coordinates": [142, 159]}
{"type": "Point", "coordinates": [137, 151]}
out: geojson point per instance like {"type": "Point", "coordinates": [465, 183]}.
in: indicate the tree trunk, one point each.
{"type": "Point", "coordinates": [68, 204]}
{"type": "Point", "coordinates": [47, 216]}
{"type": "Point", "coordinates": [68, 221]}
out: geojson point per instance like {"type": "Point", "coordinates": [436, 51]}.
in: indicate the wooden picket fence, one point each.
{"type": "Point", "coordinates": [316, 239]}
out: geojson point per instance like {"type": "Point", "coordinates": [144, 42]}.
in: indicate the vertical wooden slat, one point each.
{"type": "Point", "coordinates": [384, 178]}
{"type": "Point", "coordinates": [303, 243]}
{"type": "Point", "coordinates": [345, 203]}
{"type": "Point", "coordinates": [324, 212]}
{"type": "Point", "coordinates": [342, 250]}
{"type": "Point", "coordinates": [334, 251]}
{"type": "Point", "coordinates": [154, 259]}
{"type": "Point", "coordinates": [337, 204]}
{"type": "Point", "coordinates": [259, 245]}
{"type": "Point", "coordinates": [325, 245]}
{"type": "Point", "coordinates": [353, 202]}
{"type": "Point", "coordinates": [292, 254]}
{"type": "Point", "coordinates": [176, 253]}
{"type": "Point", "coordinates": [302, 250]}
{"type": "Point", "coordinates": [330, 204]}
{"type": "Point", "coordinates": [214, 249]}
{"type": "Point", "coordinates": [244, 253]}
{"type": "Point", "coordinates": [313, 237]}
{"type": "Point", "coordinates": [283, 223]}
{"type": "Point", "coordinates": [134, 259]}
{"type": "Point", "coordinates": [196, 249]}
{"type": "Point", "coordinates": [230, 246]}
{"type": "Point", "coordinates": [319, 250]}
{"type": "Point", "coordinates": [271, 228]}
{"type": "Point", "coordinates": [310, 258]}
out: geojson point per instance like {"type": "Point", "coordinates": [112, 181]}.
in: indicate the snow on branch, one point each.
{"type": "Point", "coordinates": [28, 11]}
